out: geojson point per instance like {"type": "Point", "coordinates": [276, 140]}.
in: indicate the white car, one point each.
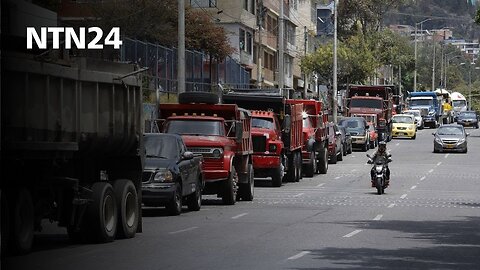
{"type": "Point", "coordinates": [418, 117]}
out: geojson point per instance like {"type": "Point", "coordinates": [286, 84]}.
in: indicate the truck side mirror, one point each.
{"type": "Point", "coordinates": [238, 131]}
{"type": "Point", "coordinates": [287, 121]}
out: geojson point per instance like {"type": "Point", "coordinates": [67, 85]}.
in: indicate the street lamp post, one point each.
{"type": "Point", "coordinates": [415, 70]}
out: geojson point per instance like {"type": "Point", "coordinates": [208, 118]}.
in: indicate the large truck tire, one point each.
{"type": "Point", "coordinates": [5, 223]}
{"type": "Point", "coordinates": [102, 213]}
{"type": "Point", "coordinates": [246, 190]}
{"type": "Point", "coordinates": [292, 168]}
{"type": "Point", "coordinates": [198, 97]}
{"type": "Point", "coordinates": [230, 188]}
{"type": "Point", "coordinates": [322, 164]}
{"type": "Point", "coordinates": [311, 167]}
{"type": "Point", "coordinates": [298, 166]}
{"type": "Point", "coordinates": [277, 176]}
{"type": "Point", "coordinates": [127, 206]}
{"type": "Point", "coordinates": [22, 223]}
{"type": "Point", "coordinates": [174, 207]}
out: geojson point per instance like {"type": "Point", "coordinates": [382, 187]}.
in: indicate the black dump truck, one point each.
{"type": "Point", "coordinates": [71, 149]}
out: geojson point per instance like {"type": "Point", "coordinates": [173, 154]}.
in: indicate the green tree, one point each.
{"type": "Point", "coordinates": [156, 21]}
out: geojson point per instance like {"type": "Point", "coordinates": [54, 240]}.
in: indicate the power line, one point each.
{"type": "Point", "coordinates": [431, 16]}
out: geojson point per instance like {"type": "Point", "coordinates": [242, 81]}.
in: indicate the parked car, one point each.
{"type": "Point", "coordinates": [418, 117]}
{"type": "Point", "coordinates": [468, 119]}
{"type": "Point", "coordinates": [335, 147]}
{"type": "Point", "coordinates": [404, 126]}
{"type": "Point", "coordinates": [171, 174]}
{"type": "Point", "coordinates": [346, 140]}
{"type": "Point", "coordinates": [373, 135]}
{"type": "Point", "coordinates": [450, 137]}
{"type": "Point", "coordinates": [357, 127]}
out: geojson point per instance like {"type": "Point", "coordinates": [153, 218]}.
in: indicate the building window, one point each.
{"type": "Point", "coordinates": [203, 3]}
{"type": "Point", "coordinates": [245, 5]}
{"type": "Point", "coordinates": [246, 41]}
{"type": "Point", "coordinates": [252, 6]}
{"type": "Point", "coordinates": [242, 39]}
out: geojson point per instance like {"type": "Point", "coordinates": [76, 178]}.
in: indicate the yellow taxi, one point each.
{"type": "Point", "coordinates": [403, 125]}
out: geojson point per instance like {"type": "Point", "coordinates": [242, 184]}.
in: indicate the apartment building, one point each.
{"type": "Point", "coordinates": [255, 46]}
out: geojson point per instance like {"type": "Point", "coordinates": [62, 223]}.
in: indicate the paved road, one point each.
{"type": "Point", "coordinates": [428, 219]}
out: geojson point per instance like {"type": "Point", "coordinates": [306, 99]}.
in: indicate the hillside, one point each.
{"type": "Point", "coordinates": [455, 14]}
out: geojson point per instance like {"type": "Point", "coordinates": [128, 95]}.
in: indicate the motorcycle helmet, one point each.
{"type": "Point", "coordinates": [382, 146]}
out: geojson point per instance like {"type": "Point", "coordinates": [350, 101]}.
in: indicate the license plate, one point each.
{"type": "Point", "coordinates": [449, 146]}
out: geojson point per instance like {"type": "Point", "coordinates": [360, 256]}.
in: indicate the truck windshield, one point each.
{"type": "Point", "coordinates": [459, 103]}
{"type": "Point", "coordinates": [158, 146]}
{"type": "Point", "coordinates": [421, 102]}
{"type": "Point", "coordinates": [366, 103]}
{"type": "Point", "coordinates": [262, 123]}
{"type": "Point", "coordinates": [195, 127]}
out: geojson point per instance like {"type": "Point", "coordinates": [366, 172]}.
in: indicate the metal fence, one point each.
{"type": "Point", "coordinates": [202, 73]}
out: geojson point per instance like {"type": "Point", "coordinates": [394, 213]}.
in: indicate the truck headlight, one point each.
{"type": "Point", "coordinates": [163, 176]}
{"type": "Point", "coordinates": [217, 153]}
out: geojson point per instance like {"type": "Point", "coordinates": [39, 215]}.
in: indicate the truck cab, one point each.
{"type": "Point", "coordinates": [221, 134]}
{"type": "Point", "coordinates": [428, 102]}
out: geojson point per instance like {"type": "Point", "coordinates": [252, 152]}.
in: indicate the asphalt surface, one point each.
{"type": "Point", "coordinates": [429, 218]}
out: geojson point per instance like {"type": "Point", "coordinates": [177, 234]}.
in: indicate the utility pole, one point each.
{"type": "Point", "coordinates": [260, 19]}
{"type": "Point", "coordinates": [433, 67]}
{"type": "Point", "coordinates": [415, 70]}
{"type": "Point", "coordinates": [335, 87]}
{"type": "Point", "coordinates": [305, 33]}
{"type": "Point", "coordinates": [181, 47]}
{"type": "Point", "coordinates": [281, 48]}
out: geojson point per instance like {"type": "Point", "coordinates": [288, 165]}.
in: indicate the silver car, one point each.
{"type": "Point", "coordinates": [450, 138]}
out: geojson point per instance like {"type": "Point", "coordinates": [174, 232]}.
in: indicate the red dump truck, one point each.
{"type": "Point", "coordinates": [276, 134]}
{"type": "Point", "coordinates": [315, 146]}
{"type": "Point", "coordinates": [72, 149]}
{"type": "Point", "coordinates": [222, 134]}
{"type": "Point", "coordinates": [372, 99]}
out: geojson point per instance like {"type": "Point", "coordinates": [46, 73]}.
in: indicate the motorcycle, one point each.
{"type": "Point", "coordinates": [380, 170]}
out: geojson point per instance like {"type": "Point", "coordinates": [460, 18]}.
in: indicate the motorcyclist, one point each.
{"type": "Point", "coordinates": [381, 155]}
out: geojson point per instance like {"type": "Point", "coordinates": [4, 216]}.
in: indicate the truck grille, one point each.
{"type": "Point", "coordinates": [402, 128]}
{"type": "Point", "coordinates": [259, 143]}
{"type": "Point", "coordinates": [146, 176]}
{"type": "Point", "coordinates": [213, 164]}
{"type": "Point", "coordinates": [200, 150]}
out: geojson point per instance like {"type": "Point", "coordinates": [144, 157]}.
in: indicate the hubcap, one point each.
{"type": "Point", "coordinates": [130, 209]}
{"type": "Point", "coordinates": [108, 213]}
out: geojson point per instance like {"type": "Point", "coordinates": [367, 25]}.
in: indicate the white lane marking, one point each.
{"type": "Point", "coordinates": [414, 187]}
{"type": "Point", "coordinates": [239, 216]}
{"type": "Point", "coordinates": [423, 178]}
{"type": "Point", "coordinates": [403, 196]}
{"type": "Point", "coordinates": [397, 144]}
{"type": "Point", "coordinates": [430, 171]}
{"type": "Point", "coordinates": [353, 156]}
{"type": "Point", "coordinates": [320, 185]}
{"type": "Point", "coordinates": [299, 255]}
{"type": "Point", "coordinates": [352, 234]}
{"type": "Point", "coordinates": [391, 205]}
{"type": "Point", "coordinates": [378, 217]}
{"type": "Point", "coordinates": [439, 163]}
{"type": "Point", "coordinates": [298, 195]}
{"type": "Point", "coordinates": [354, 170]}
{"type": "Point", "coordinates": [446, 155]}
{"type": "Point", "coordinates": [338, 177]}
{"type": "Point", "coordinates": [184, 230]}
